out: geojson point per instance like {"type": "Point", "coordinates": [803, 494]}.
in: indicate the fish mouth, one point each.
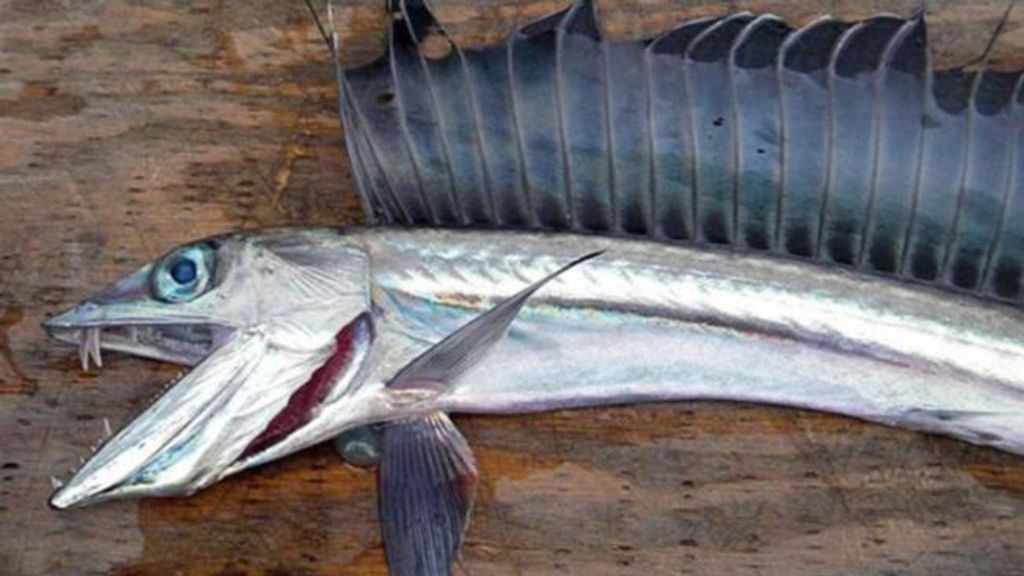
{"type": "Point", "coordinates": [242, 404]}
{"type": "Point", "coordinates": [177, 343]}
{"type": "Point", "coordinates": [122, 463]}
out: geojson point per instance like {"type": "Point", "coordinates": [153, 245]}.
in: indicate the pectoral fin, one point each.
{"type": "Point", "coordinates": [427, 475]}
{"type": "Point", "coordinates": [439, 366]}
{"type": "Point", "coordinates": [426, 483]}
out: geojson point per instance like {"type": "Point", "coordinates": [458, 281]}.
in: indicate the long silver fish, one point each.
{"type": "Point", "coordinates": [299, 336]}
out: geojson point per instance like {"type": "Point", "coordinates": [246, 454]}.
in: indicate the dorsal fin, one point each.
{"type": "Point", "coordinates": [754, 72]}
{"type": "Point", "coordinates": [902, 98]}
{"type": "Point", "coordinates": [734, 131]}
{"type": "Point", "coordinates": [854, 76]}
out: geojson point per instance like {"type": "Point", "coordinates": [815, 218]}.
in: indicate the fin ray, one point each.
{"type": "Point", "coordinates": [818, 155]}
{"type": "Point", "coordinates": [444, 362]}
{"type": "Point", "coordinates": [426, 486]}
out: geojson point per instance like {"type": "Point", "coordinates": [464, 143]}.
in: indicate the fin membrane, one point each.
{"type": "Point", "coordinates": [427, 474]}
{"type": "Point", "coordinates": [438, 367]}
{"type": "Point", "coordinates": [426, 483]}
{"type": "Point", "coordinates": [836, 143]}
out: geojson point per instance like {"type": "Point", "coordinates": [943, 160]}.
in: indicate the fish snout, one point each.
{"type": "Point", "coordinates": [86, 312]}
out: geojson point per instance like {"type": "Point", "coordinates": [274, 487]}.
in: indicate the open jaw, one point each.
{"type": "Point", "coordinates": [243, 398]}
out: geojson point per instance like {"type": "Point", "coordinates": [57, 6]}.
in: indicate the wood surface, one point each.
{"type": "Point", "coordinates": [127, 128]}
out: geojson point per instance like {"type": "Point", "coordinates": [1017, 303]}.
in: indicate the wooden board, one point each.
{"type": "Point", "coordinates": [127, 128]}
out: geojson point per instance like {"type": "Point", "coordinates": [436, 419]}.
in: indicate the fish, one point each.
{"type": "Point", "coordinates": [577, 243]}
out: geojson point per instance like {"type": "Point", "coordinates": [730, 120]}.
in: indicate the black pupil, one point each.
{"type": "Point", "coordinates": [183, 271]}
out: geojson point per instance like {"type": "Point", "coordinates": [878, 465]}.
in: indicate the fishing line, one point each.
{"type": "Point", "coordinates": [983, 59]}
{"type": "Point", "coordinates": [320, 27]}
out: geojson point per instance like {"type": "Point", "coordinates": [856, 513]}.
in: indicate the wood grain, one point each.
{"type": "Point", "coordinates": [127, 128]}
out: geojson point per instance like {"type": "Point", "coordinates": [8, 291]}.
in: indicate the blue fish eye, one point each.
{"type": "Point", "coordinates": [184, 274]}
{"type": "Point", "coordinates": [183, 271]}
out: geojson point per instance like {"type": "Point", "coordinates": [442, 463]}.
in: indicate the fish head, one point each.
{"type": "Point", "coordinates": [275, 324]}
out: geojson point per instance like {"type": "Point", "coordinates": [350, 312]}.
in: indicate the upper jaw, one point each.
{"type": "Point", "coordinates": [185, 343]}
{"type": "Point", "coordinates": [124, 317]}
{"type": "Point", "coordinates": [94, 327]}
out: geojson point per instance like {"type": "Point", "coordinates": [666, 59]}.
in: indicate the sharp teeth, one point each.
{"type": "Point", "coordinates": [106, 428]}
{"type": "Point", "coordinates": [89, 347]}
{"type": "Point", "coordinates": [83, 349]}
{"type": "Point", "coordinates": [94, 347]}
{"type": "Point", "coordinates": [56, 483]}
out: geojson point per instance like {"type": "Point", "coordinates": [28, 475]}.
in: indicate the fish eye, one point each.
{"type": "Point", "coordinates": [183, 274]}
{"type": "Point", "coordinates": [183, 271]}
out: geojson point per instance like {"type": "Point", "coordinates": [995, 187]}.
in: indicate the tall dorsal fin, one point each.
{"type": "Point", "coordinates": [696, 137]}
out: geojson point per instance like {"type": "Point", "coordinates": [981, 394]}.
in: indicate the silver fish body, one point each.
{"type": "Point", "coordinates": [644, 322]}
{"type": "Point", "coordinates": [648, 321]}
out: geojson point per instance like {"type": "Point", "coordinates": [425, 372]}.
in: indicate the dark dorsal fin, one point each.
{"type": "Point", "coordinates": [835, 143]}
{"type": "Point", "coordinates": [902, 91]}
{"type": "Point", "coordinates": [855, 74]}
{"type": "Point", "coordinates": [677, 40]}
{"type": "Point", "coordinates": [755, 71]}
{"type": "Point", "coordinates": [714, 128]}
{"type": "Point", "coordinates": [810, 48]}
{"type": "Point", "coordinates": [672, 160]}
{"type": "Point", "coordinates": [807, 134]}
{"type": "Point", "coordinates": [986, 180]}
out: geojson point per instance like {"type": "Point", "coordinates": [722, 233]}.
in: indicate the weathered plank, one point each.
{"type": "Point", "coordinates": [126, 129]}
